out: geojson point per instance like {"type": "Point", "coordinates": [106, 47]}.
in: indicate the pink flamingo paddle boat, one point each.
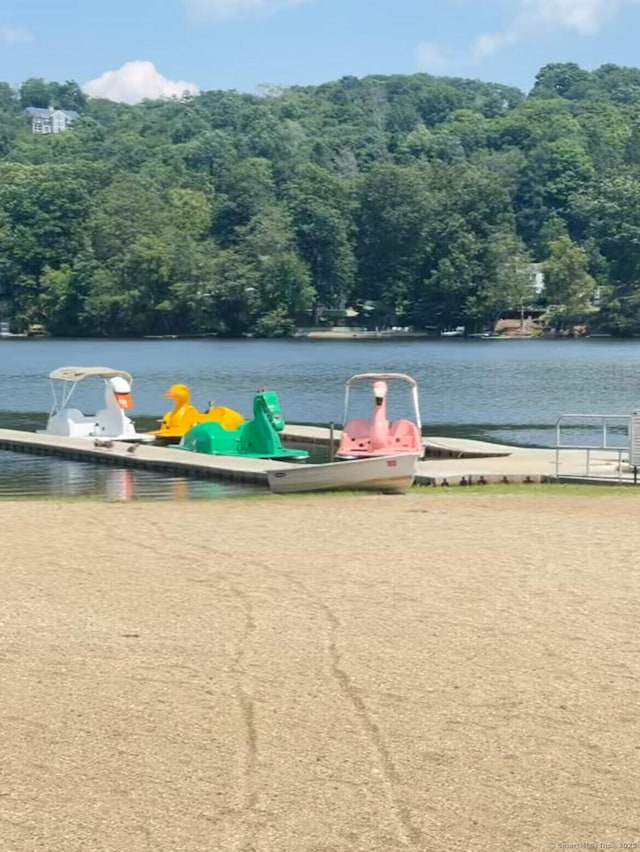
{"type": "Point", "coordinates": [363, 438]}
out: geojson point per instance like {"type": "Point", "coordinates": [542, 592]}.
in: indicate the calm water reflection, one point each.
{"type": "Point", "coordinates": [23, 475]}
{"type": "Point", "coordinates": [502, 390]}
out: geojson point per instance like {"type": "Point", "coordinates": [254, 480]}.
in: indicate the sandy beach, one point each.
{"type": "Point", "coordinates": [338, 674]}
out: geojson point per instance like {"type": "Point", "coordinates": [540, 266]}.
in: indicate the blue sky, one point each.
{"type": "Point", "coordinates": [130, 49]}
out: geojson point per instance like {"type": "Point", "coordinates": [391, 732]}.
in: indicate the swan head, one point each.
{"type": "Point", "coordinates": [120, 390]}
{"type": "Point", "coordinates": [379, 393]}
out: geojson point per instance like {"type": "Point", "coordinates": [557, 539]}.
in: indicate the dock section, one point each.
{"type": "Point", "coordinates": [462, 461]}
{"type": "Point", "coordinates": [145, 456]}
{"type": "Point", "coordinates": [528, 466]}
{"type": "Point", "coordinates": [458, 461]}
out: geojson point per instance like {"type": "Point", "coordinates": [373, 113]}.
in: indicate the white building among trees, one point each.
{"type": "Point", "coordinates": [49, 120]}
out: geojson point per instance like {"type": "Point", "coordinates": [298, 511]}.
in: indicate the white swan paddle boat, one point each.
{"type": "Point", "coordinates": [110, 422]}
{"type": "Point", "coordinates": [389, 474]}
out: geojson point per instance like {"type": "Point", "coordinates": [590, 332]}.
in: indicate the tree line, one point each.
{"type": "Point", "coordinates": [416, 200]}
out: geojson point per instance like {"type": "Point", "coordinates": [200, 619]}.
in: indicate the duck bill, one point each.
{"type": "Point", "coordinates": [124, 400]}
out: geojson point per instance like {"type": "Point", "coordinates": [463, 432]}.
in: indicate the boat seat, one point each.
{"type": "Point", "coordinates": [76, 416]}
{"type": "Point", "coordinates": [356, 435]}
{"type": "Point", "coordinates": [405, 434]}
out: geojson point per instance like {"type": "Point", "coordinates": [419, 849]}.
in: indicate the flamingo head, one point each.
{"type": "Point", "coordinates": [379, 393]}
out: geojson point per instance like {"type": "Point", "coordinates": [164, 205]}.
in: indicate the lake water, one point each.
{"type": "Point", "coordinates": [509, 391]}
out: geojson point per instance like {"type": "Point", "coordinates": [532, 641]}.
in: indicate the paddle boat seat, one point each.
{"type": "Point", "coordinates": [357, 439]}
{"type": "Point", "coordinates": [356, 436]}
{"type": "Point", "coordinates": [72, 422]}
{"type": "Point", "coordinates": [404, 434]}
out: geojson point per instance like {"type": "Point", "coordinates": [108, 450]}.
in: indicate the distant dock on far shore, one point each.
{"type": "Point", "coordinates": [344, 332]}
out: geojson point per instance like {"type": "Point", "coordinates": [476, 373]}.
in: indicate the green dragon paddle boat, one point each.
{"type": "Point", "coordinates": [256, 439]}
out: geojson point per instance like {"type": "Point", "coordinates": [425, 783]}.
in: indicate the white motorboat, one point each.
{"type": "Point", "coordinates": [389, 474]}
{"type": "Point", "coordinates": [110, 422]}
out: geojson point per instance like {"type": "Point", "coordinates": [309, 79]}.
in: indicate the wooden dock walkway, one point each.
{"type": "Point", "coordinates": [448, 461]}
{"type": "Point", "coordinates": [140, 455]}
{"type": "Point", "coordinates": [462, 461]}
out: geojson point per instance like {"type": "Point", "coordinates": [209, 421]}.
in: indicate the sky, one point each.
{"type": "Point", "coordinates": [127, 50]}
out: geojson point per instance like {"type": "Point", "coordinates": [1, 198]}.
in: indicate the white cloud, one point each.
{"type": "Point", "coordinates": [224, 10]}
{"type": "Point", "coordinates": [134, 82]}
{"type": "Point", "coordinates": [13, 35]}
{"type": "Point", "coordinates": [488, 43]}
{"type": "Point", "coordinates": [537, 17]}
{"type": "Point", "coordinates": [582, 16]}
{"type": "Point", "coordinates": [430, 57]}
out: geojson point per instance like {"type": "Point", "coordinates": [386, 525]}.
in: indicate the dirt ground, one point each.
{"type": "Point", "coordinates": [345, 674]}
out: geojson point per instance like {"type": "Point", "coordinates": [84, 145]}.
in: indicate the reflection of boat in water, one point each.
{"type": "Point", "coordinates": [458, 331]}
{"type": "Point", "coordinates": [391, 474]}
{"type": "Point", "coordinates": [362, 438]}
{"type": "Point", "coordinates": [110, 422]}
{"type": "Point", "coordinates": [120, 484]}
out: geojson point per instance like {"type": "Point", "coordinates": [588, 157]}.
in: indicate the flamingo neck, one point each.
{"type": "Point", "coordinates": [380, 426]}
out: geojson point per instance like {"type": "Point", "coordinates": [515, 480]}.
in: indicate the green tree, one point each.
{"type": "Point", "coordinates": [321, 210]}
{"type": "Point", "coordinates": [68, 96]}
{"type": "Point", "coordinates": [562, 80]}
{"type": "Point", "coordinates": [35, 92]}
{"type": "Point", "coordinates": [507, 280]}
{"type": "Point", "coordinates": [569, 287]}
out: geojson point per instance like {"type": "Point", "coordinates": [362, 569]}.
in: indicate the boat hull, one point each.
{"type": "Point", "coordinates": [350, 455]}
{"type": "Point", "coordinates": [390, 474]}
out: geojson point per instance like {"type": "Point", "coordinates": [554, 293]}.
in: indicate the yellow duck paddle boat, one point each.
{"type": "Point", "coordinates": [185, 416]}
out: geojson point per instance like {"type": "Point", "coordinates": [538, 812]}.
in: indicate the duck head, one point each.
{"type": "Point", "coordinates": [180, 394]}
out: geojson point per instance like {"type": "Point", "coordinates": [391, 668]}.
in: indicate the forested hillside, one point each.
{"type": "Point", "coordinates": [417, 200]}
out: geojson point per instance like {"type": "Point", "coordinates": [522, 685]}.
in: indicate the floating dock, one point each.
{"type": "Point", "coordinates": [461, 461]}
{"type": "Point", "coordinates": [148, 456]}
{"type": "Point", "coordinates": [448, 461]}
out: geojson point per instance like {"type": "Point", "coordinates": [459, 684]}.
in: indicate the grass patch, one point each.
{"type": "Point", "coordinates": [542, 489]}
{"type": "Point", "coordinates": [539, 488]}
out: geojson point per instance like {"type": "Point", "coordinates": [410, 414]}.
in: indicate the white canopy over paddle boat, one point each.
{"type": "Point", "coordinates": [110, 422]}
{"type": "Point", "coordinates": [363, 438]}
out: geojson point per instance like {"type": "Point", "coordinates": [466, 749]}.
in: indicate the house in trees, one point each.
{"type": "Point", "coordinates": [537, 279]}
{"type": "Point", "coordinates": [49, 120]}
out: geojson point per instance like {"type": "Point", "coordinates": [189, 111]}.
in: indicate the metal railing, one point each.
{"type": "Point", "coordinates": [606, 422]}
